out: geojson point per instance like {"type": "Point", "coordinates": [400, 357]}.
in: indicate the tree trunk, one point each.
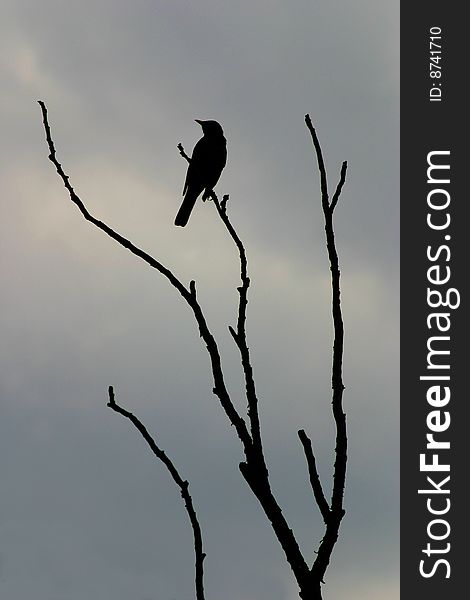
{"type": "Point", "coordinates": [311, 591]}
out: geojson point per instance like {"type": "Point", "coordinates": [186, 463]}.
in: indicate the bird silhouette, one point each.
{"type": "Point", "coordinates": [207, 162]}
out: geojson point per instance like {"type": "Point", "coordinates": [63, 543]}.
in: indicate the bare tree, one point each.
{"type": "Point", "coordinates": [253, 468]}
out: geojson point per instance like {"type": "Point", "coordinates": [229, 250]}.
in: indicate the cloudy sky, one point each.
{"type": "Point", "coordinates": [85, 512]}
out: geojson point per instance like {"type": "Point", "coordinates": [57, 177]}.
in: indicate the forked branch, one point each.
{"type": "Point", "coordinates": [339, 472]}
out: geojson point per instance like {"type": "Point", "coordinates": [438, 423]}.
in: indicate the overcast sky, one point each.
{"type": "Point", "coordinates": [85, 511]}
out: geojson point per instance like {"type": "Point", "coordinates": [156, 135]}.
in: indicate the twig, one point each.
{"type": "Point", "coordinates": [321, 164]}
{"type": "Point", "coordinates": [183, 153]}
{"type": "Point", "coordinates": [180, 482]}
{"type": "Point", "coordinates": [339, 187]}
{"type": "Point", "coordinates": [314, 477]}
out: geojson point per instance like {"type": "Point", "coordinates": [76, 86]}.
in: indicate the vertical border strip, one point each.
{"type": "Point", "coordinates": [434, 288]}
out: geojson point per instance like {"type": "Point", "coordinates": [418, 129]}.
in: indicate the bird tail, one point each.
{"type": "Point", "coordinates": [186, 208]}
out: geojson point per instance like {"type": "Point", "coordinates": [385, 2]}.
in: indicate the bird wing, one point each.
{"type": "Point", "coordinates": [197, 165]}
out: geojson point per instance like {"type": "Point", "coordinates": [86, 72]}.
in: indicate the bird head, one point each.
{"type": "Point", "coordinates": [210, 127]}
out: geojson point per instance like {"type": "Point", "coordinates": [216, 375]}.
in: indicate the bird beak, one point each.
{"type": "Point", "coordinates": [199, 121]}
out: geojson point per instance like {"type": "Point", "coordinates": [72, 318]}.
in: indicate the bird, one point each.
{"type": "Point", "coordinates": [207, 162]}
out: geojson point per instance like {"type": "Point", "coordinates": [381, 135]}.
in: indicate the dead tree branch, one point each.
{"type": "Point", "coordinates": [239, 335]}
{"type": "Point", "coordinates": [254, 468]}
{"type": "Point", "coordinates": [255, 471]}
{"type": "Point", "coordinates": [180, 482]}
{"type": "Point", "coordinates": [314, 477]}
{"type": "Point", "coordinates": [339, 472]}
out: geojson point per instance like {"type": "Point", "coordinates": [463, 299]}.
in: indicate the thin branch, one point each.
{"type": "Point", "coordinates": [219, 389]}
{"type": "Point", "coordinates": [183, 153]}
{"type": "Point", "coordinates": [339, 187]}
{"type": "Point", "coordinates": [240, 335]}
{"type": "Point", "coordinates": [314, 477]}
{"type": "Point", "coordinates": [180, 482]}
{"type": "Point", "coordinates": [223, 204]}
{"type": "Point", "coordinates": [321, 164]}
{"type": "Point", "coordinates": [339, 474]}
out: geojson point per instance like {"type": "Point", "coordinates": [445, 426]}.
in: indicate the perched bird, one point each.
{"type": "Point", "coordinates": [208, 160]}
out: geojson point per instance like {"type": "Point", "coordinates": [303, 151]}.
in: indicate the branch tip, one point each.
{"type": "Point", "coordinates": [233, 333]}
{"type": "Point", "coordinates": [339, 187]}
{"type": "Point", "coordinates": [182, 152]}
{"type": "Point", "coordinates": [314, 477]}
